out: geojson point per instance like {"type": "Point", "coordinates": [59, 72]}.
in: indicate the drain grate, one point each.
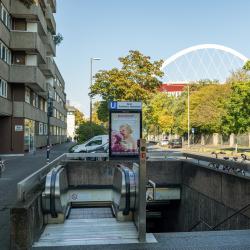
{"type": "Point", "coordinates": [90, 213]}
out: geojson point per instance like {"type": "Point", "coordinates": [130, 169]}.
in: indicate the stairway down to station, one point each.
{"type": "Point", "coordinates": [91, 216]}
{"type": "Point", "coordinates": [94, 231]}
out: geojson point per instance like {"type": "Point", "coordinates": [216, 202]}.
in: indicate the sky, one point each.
{"type": "Point", "coordinates": [108, 29]}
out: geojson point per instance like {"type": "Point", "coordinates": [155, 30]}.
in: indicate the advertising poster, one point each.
{"type": "Point", "coordinates": [125, 131]}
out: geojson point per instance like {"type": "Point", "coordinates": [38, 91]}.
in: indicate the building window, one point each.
{"type": "Point", "coordinates": [5, 53]}
{"type": "Point", "coordinates": [40, 128]}
{"type": "Point", "coordinates": [35, 100]}
{"type": "Point", "coordinates": [5, 16]}
{"type": "Point", "coordinates": [3, 88]}
{"type": "Point", "coordinates": [27, 95]}
{"type": "Point", "coordinates": [45, 129]}
{"type": "Point", "coordinates": [19, 58]}
{"type": "Point", "coordinates": [41, 104]}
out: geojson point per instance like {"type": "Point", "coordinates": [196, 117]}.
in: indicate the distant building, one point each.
{"type": "Point", "coordinates": [71, 121]}
{"type": "Point", "coordinates": [28, 75]}
{"type": "Point", "coordinates": [173, 89]}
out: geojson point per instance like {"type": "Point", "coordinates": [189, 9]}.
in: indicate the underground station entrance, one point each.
{"type": "Point", "coordinates": [147, 201]}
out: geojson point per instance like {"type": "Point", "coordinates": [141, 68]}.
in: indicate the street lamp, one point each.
{"type": "Point", "coordinates": [188, 117]}
{"type": "Point", "coordinates": [91, 79]}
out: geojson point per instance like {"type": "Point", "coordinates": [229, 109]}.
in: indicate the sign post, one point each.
{"type": "Point", "coordinates": [142, 191]}
{"type": "Point", "coordinates": [125, 128]}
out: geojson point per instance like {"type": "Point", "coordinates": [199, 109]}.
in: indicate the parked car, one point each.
{"type": "Point", "coordinates": [151, 145]}
{"type": "Point", "coordinates": [164, 142]}
{"type": "Point", "coordinates": [91, 145]}
{"type": "Point", "coordinates": [175, 143]}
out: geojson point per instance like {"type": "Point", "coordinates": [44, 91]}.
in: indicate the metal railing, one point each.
{"type": "Point", "coordinates": [230, 163]}
{"type": "Point", "coordinates": [221, 222]}
{"type": "Point", "coordinates": [34, 180]}
{"type": "Point", "coordinates": [37, 178]}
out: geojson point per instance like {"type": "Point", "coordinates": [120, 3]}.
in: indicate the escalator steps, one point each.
{"type": "Point", "coordinates": [90, 213]}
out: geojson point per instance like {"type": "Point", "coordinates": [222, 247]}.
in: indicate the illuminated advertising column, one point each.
{"type": "Point", "coordinates": [125, 128]}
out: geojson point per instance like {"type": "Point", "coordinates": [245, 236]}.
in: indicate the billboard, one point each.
{"type": "Point", "coordinates": [125, 131]}
{"type": "Point", "coordinates": [125, 128]}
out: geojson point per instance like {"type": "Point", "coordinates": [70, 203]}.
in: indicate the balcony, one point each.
{"type": "Point", "coordinates": [52, 5]}
{"type": "Point", "coordinates": [30, 75]}
{"type": "Point", "coordinates": [51, 47]}
{"type": "Point", "coordinates": [28, 41]}
{"type": "Point", "coordinates": [22, 109]}
{"type": "Point", "coordinates": [59, 76]}
{"type": "Point", "coordinates": [50, 19]}
{"type": "Point", "coordinates": [4, 70]}
{"type": "Point", "coordinates": [49, 68]}
{"type": "Point", "coordinates": [35, 12]}
{"type": "Point", "coordinates": [5, 34]}
{"type": "Point", "coordinates": [5, 106]}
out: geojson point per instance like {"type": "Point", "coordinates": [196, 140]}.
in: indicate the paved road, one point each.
{"type": "Point", "coordinates": [18, 168]}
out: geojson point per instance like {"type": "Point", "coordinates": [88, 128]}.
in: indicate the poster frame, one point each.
{"type": "Point", "coordinates": [118, 111]}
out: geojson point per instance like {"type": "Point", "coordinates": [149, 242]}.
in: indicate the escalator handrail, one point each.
{"type": "Point", "coordinates": [127, 187]}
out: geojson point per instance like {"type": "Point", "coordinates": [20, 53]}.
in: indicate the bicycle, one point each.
{"type": "Point", "coordinates": [215, 164]}
{"type": "Point", "coordinates": [234, 170]}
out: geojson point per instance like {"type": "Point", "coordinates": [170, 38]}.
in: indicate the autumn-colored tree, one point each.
{"type": "Point", "coordinates": [158, 114]}
{"type": "Point", "coordinates": [237, 118]}
{"type": "Point", "coordinates": [207, 107]}
{"type": "Point", "coordinates": [136, 80]}
{"type": "Point", "coordinates": [79, 117]}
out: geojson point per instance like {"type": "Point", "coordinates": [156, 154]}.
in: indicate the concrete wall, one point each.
{"type": "Point", "coordinates": [26, 223]}
{"type": "Point", "coordinates": [212, 196]}
{"type": "Point", "coordinates": [206, 194]}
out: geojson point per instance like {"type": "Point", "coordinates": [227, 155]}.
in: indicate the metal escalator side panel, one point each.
{"type": "Point", "coordinates": [52, 194]}
{"type": "Point", "coordinates": [127, 189]}
{"type": "Point", "coordinates": [61, 188]}
{"type": "Point", "coordinates": [46, 194]}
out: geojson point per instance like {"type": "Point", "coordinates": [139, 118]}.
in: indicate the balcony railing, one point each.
{"type": "Point", "coordinates": [23, 40]}
{"type": "Point", "coordinates": [31, 75]}
{"type": "Point", "coordinates": [49, 68]}
{"type": "Point", "coordinates": [35, 12]}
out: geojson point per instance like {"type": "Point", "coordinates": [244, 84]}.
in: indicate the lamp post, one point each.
{"type": "Point", "coordinates": [188, 118]}
{"type": "Point", "coordinates": [91, 79]}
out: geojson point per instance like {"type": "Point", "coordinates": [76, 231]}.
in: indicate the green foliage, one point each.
{"type": "Point", "coordinates": [136, 80]}
{"type": "Point", "coordinates": [237, 118]}
{"type": "Point", "coordinates": [207, 107]}
{"type": "Point", "coordinates": [247, 66]}
{"type": "Point", "coordinates": [27, 3]}
{"type": "Point", "coordinates": [58, 38]}
{"type": "Point", "coordinates": [159, 113]}
{"type": "Point", "coordinates": [79, 117]}
{"type": "Point", "coordinates": [86, 131]}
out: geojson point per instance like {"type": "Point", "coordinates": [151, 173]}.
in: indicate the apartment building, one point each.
{"type": "Point", "coordinates": [28, 76]}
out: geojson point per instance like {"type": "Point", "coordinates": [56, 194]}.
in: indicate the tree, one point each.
{"type": "Point", "coordinates": [207, 107]}
{"type": "Point", "coordinates": [100, 113]}
{"type": "Point", "coordinates": [237, 118]}
{"type": "Point", "coordinates": [58, 39]}
{"type": "Point", "coordinates": [247, 66]}
{"type": "Point", "coordinates": [158, 114]}
{"type": "Point", "coordinates": [86, 130]}
{"type": "Point", "coordinates": [136, 80]}
{"type": "Point", "coordinates": [79, 117]}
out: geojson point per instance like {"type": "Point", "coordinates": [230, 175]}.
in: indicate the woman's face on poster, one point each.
{"type": "Point", "coordinates": [124, 131]}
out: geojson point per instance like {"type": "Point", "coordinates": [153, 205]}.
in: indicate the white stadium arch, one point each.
{"type": "Point", "coordinates": [221, 59]}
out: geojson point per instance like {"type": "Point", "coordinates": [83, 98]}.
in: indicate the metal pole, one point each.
{"type": "Point", "coordinates": [188, 118]}
{"type": "Point", "coordinates": [48, 128]}
{"type": "Point", "coordinates": [142, 191]}
{"type": "Point", "coordinates": [91, 78]}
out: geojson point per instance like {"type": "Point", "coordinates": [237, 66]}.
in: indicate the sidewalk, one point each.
{"type": "Point", "coordinates": [18, 168]}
